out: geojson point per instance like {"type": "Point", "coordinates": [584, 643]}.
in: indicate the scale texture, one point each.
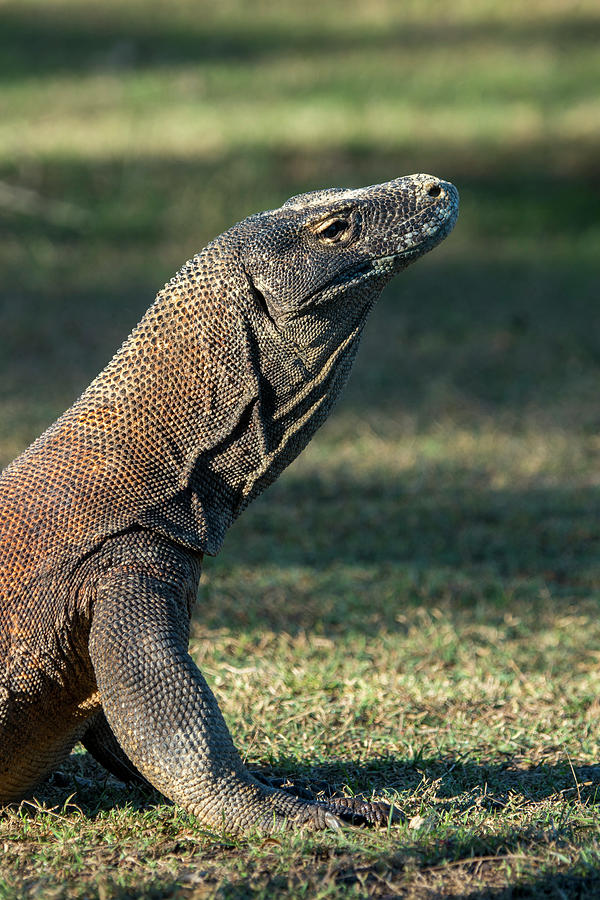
{"type": "Point", "coordinates": [104, 520]}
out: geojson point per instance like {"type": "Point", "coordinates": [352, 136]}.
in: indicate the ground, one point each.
{"type": "Point", "coordinates": [412, 610]}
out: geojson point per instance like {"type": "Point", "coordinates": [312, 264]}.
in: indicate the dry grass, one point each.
{"type": "Point", "coordinates": [412, 611]}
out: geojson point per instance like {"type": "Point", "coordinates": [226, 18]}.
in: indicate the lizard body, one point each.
{"type": "Point", "coordinates": [105, 518]}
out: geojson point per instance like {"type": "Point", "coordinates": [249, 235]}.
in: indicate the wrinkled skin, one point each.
{"type": "Point", "coordinates": [106, 517]}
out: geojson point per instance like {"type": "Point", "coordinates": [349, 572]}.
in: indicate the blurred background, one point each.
{"type": "Point", "coordinates": [463, 459]}
{"type": "Point", "coordinates": [417, 597]}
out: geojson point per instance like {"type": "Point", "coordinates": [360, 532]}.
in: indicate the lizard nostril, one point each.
{"type": "Point", "coordinates": [434, 190]}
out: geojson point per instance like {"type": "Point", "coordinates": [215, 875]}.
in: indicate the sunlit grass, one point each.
{"type": "Point", "coordinates": [397, 93]}
{"type": "Point", "coordinates": [412, 610]}
{"type": "Point", "coordinates": [161, 85]}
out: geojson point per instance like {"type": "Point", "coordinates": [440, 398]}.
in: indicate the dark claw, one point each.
{"type": "Point", "coordinates": [363, 812]}
{"type": "Point", "coordinates": [321, 812]}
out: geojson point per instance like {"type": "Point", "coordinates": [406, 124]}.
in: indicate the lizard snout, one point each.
{"type": "Point", "coordinates": [439, 190]}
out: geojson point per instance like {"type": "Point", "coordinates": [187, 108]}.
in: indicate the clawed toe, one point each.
{"type": "Point", "coordinates": [357, 811]}
{"type": "Point", "coordinates": [333, 812]}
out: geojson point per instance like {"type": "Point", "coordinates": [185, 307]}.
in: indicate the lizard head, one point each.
{"type": "Point", "coordinates": [255, 337]}
{"type": "Point", "coordinates": [313, 270]}
{"type": "Point", "coordinates": [324, 257]}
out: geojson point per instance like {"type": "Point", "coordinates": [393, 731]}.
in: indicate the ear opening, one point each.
{"type": "Point", "coordinates": [261, 301]}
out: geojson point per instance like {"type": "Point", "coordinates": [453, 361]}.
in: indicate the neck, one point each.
{"type": "Point", "coordinates": [217, 408]}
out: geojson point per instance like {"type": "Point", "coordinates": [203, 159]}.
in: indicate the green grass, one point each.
{"type": "Point", "coordinates": [412, 610]}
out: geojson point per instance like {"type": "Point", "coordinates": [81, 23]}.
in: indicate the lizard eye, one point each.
{"type": "Point", "coordinates": [334, 230]}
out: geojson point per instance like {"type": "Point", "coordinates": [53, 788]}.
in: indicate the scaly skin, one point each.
{"type": "Point", "coordinates": [106, 517]}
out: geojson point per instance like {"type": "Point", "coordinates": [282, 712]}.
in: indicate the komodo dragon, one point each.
{"type": "Point", "coordinates": [106, 517]}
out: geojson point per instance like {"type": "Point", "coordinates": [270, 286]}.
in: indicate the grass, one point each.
{"type": "Point", "coordinates": [412, 610]}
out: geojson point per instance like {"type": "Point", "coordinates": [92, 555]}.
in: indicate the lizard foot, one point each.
{"type": "Point", "coordinates": [358, 811]}
{"type": "Point", "coordinates": [331, 812]}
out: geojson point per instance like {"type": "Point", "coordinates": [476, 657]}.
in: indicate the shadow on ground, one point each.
{"type": "Point", "coordinates": [51, 42]}
{"type": "Point", "coordinates": [459, 784]}
{"type": "Point", "coordinates": [458, 854]}
{"type": "Point", "coordinates": [466, 334]}
{"type": "Point", "coordinates": [341, 552]}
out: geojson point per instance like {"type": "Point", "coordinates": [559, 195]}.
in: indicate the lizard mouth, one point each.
{"type": "Point", "coordinates": [426, 235]}
{"type": "Point", "coordinates": [355, 273]}
{"type": "Point", "coordinates": [413, 244]}
{"type": "Point", "coordinates": [430, 225]}
{"type": "Point", "coordinates": [406, 254]}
